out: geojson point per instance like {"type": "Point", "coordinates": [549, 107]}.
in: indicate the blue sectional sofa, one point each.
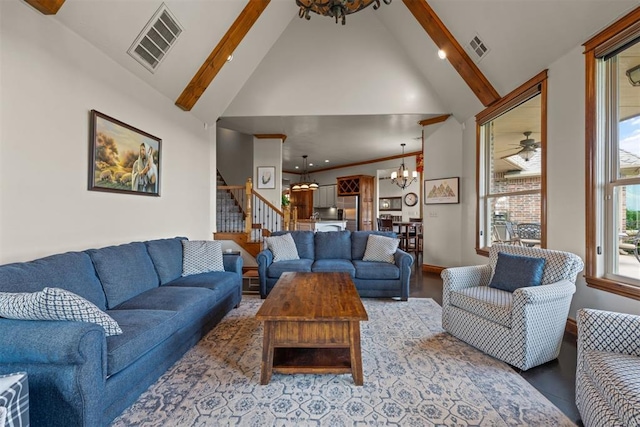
{"type": "Point", "coordinates": [77, 375]}
{"type": "Point", "coordinates": [340, 251]}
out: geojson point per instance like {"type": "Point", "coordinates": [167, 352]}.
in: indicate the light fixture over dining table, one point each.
{"type": "Point", "coordinates": [401, 176]}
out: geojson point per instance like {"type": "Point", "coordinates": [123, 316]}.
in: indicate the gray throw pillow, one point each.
{"type": "Point", "coordinates": [283, 247]}
{"type": "Point", "coordinates": [201, 256]}
{"type": "Point", "coordinates": [381, 249]}
{"type": "Point", "coordinates": [55, 304]}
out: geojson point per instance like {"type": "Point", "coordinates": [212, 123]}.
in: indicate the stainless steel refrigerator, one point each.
{"type": "Point", "coordinates": [349, 206]}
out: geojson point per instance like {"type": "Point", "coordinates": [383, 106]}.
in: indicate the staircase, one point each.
{"type": "Point", "coordinates": [236, 203]}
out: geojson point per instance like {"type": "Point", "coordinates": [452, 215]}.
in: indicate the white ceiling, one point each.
{"type": "Point", "coordinates": [524, 36]}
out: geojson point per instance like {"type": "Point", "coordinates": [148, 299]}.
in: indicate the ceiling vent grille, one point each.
{"type": "Point", "coordinates": [477, 48]}
{"type": "Point", "coordinates": [156, 39]}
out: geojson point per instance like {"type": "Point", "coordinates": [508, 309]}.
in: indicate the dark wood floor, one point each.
{"type": "Point", "coordinates": [555, 379]}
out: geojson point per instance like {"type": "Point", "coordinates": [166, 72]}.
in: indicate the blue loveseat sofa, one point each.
{"type": "Point", "coordinates": [340, 251]}
{"type": "Point", "coordinates": [77, 375]}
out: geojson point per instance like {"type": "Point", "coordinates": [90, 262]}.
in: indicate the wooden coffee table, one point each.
{"type": "Point", "coordinates": [312, 326]}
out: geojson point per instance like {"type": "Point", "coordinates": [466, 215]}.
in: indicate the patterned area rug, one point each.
{"type": "Point", "coordinates": [415, 374]}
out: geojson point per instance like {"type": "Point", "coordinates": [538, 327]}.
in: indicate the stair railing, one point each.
{"type": "Point", "coordinates": [262, 217]}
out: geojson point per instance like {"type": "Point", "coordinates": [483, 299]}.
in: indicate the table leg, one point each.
{"type": "Point", "coordinates": [356, 352]}
{"type": "Point", "coordinates": [267, 353]}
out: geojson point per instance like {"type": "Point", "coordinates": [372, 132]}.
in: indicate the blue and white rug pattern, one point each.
{"type": "Point", "coordinates": [415, 374]}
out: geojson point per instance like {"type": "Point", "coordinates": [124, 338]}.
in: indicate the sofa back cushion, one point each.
{"type": "Point", "coordinates": [166, 255]}
{"type": "Point", "coordinates": [333, 245]}
{"type": "Point", "coordinates": [359, 241]}
{"type": "Point", "coordinates": [72, 271]}
{"type": "Point", "coordinates": [304, 242]}
{"type": "Point", "coordinates": [124, 271]}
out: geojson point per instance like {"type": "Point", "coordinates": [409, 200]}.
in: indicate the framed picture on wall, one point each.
{"type": "Point", "coordinates": [442, 191]}
{"type": "Point", "coordinates": [266, 177]}
{"type": "Point", "coordinates": [122, 159]}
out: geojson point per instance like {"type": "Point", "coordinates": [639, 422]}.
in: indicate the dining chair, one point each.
{"type": "Point", "coordinates": [385, 224]}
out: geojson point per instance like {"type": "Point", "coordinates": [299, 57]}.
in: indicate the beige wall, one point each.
{"type": "Point", "coordinates": [50, 80]}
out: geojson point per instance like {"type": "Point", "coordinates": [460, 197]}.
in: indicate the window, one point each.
{"type": "Point", "coordinates": [510, 168]}
{"type": "Point", "coordinates": [613, 153]}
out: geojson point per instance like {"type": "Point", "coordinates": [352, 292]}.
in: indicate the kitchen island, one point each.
{"type": "Point", "coordinates": [321, 225]}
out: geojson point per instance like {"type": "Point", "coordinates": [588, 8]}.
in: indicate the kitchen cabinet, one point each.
{"type": "Point", "coordinates": [325, 196]}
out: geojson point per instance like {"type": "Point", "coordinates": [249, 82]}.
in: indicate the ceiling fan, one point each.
{"type": "Point", "coordinates": [528, 147]}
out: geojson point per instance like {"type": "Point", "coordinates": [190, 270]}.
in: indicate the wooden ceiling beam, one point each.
{"type": "Point", "coordinates": [218, 57]}
{"type": "Point", "coordinates": [281, 136]}
{"type": "Point", "coordinates": [456, 55]}
{"type": "Point", "coordinates": [434, 120]}
{"type": "Point", "coordinates": [46, 7]}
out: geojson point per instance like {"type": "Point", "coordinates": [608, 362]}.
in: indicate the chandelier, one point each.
{"type": "Point", "coordinates": [401, 176]}
{"type": "Point", "coordinates": [338, 9]}
{"type": "Point", "coordinates": [305, 183]}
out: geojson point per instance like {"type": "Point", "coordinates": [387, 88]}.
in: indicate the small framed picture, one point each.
{"type": "Point", "coordinates": [442, 191]}
{"type": "Point", "coordinates": [122, 159]}
{"type": "Point", "coordinates": [266, 177]}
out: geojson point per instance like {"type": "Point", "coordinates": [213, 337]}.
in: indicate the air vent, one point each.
{"type": "Point", "coordinates": [477, 48]}
{"type": "Point", "coordinates": [156, 39]}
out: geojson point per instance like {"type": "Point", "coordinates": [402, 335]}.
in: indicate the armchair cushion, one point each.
{"type": "Point", "coordinates": [283, 247]}
{"type": "Point", "coordinates": [515, 271]}
{"type": "Point", "coordinates": [617, 378]}
{"type": "Point", "coordinates": [489, 303]}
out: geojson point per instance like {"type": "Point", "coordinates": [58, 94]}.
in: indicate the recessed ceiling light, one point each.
{"type": "Point", "coordinates": [326, 161]}
{"type": "Point", "coordinates": [297, 167]}
{"type": "Point", "coordinates": [442, 54]}
{"type": "Point", "coordinates": [310, 164]}
{"type": "Point", "coordinates": [230, 58]}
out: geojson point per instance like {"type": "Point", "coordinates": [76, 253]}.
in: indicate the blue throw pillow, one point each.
{"type": "Point", "coordinates": [515, 271]}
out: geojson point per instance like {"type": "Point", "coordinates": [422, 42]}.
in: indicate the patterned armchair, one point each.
{"type": "Point", "coordinates": [608, 370]}
{"type": "Point", "coordinates": [523, 328]}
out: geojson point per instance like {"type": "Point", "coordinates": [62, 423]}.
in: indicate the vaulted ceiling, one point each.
{"type": "Point", "coordinates": [290, 74]}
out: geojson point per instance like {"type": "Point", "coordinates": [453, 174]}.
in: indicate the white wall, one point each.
{"type": "Point", "coordinates": [237, 151]}
{"type": "Point", "coordinates": [268, 152]}
{"type": "Point", "coordinates": [443, 159]}
{"type": "Point", "coordinates": [356, 69]}
{"type": "Point", "coordinates": [50, 79]}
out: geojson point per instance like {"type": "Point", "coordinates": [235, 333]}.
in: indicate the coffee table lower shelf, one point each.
{"type": "Point", "coordinates": [296, 360]}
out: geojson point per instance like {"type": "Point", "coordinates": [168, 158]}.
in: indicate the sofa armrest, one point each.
{"type": "Point", "coordinates": [403, 262]}
{"type": "Point", "coordinates": [264, 260]}
{"type": "Point", "coordinates": [30, 341]}
{"type": "Point", "coordinates": [233, 263]}
{"type": "Point", "coordinates": [608, 331]}
{"type": "Point", "coordinates": [545, 293]}
{"type": "Point", "coordinates": [66, 363]}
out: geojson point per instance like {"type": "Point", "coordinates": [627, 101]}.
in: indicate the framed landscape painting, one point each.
{"type": "Point", "coordinates": [442, 191]}
{"type": "Point", "coordinates": [123, 159]}
{"type": "Point", "coordinates": [266, 177]}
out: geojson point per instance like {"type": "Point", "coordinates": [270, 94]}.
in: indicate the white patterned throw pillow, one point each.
{"type": "Point", "coordinates": [381, 249]}
{"type": "Point", "coordinates": [55, 304]}
{"type": "Point", "coordinates": [283, 247]}
{"type": "Point", "coordinates": [201, 256]}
